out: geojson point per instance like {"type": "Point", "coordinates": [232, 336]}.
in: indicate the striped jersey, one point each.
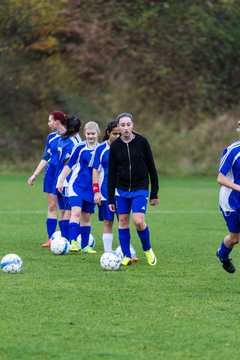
{"type": "Point", "coordinates": [100, 163]}
{"type": "Point", "coordinates": [229, 199]}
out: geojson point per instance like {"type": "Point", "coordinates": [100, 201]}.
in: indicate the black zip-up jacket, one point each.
{"type": "Point", "coordinates": [130, 166]}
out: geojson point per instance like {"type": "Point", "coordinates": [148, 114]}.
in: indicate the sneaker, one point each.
{"type": "Point", "coordinates": [74, 246]}
{"type": "Point", "coordinates": [151, 258]}
{"type": "Point", "coordinates": [226, 264]}
{"type": "Point", "coordinates": [47, 244]}
{"type": "Point", "coordinates": [126, 261]}
{"type": "Point", "coordinates": [88, 249]}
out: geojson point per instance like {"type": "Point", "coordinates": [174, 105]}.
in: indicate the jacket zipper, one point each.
{"type": "Point", "coordinates": [130, 168]}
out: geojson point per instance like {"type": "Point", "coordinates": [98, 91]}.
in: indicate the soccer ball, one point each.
{"type": "Point", "coordinates": [110, 261]}
{"type": "Point", "coordinates": [56, 235]}
{"type": "Point", "coordinates": [120, 253]}
{"type": "Point", "coordinates": [59, 246]}
{"type": "Point", "coordinates": [11, 263]}
{"type": "Point", "coordinates": [91, 241]}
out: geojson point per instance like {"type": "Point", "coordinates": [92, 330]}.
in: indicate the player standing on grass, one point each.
{"type": "Point", "coordinates": [80, 188]}
{"type": "Point", "coordinates": [229, 199]}
{"type": "Point", "coordinates": [67, 141]}
{"type": "Point", "coordinates": [131, 164]}
{"type": "Point", "coordinates": [99, 176]}
{"type": "Point", "coordinates": [56, 122]}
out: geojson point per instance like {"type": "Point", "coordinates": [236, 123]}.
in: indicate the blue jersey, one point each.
{"type": "Point", "coordinates": [65, 147]}
{"type": "Point", "coordinates": [51, 149]}
{"type": "Point", "coordinates": [100, 163]}
{"type": "Point", "coordinates": [80, 183]}
{"type": "Point", "coordinates": [230, 167]}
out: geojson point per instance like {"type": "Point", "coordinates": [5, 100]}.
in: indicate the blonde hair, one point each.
{"type": "Point", "coordinates": [92, 125]}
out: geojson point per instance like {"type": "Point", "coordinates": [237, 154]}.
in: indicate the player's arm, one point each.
{"type": "Point", "coordinates": [64, 174]}
{"type": "Point", "coordinates": [223, 180]}
{"type": "Point", "coordinates": [96, 189]}
{"type": "Point", "coordinates": [42, 164]}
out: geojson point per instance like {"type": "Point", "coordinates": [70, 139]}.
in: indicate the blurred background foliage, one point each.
{"type": "Point", "coordinates": [173, 64]}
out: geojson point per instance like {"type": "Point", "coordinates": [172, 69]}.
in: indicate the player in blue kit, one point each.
{"type": "Point", "coordinates": [229, 201]}
{"type": "Point", "coordinates": [131, 165]}
{"type": "Point", "coordinates": [99, 176]}
{"type": "Point", "coordinates": [80, 188]}
{"type": "Point", "coordinates": [56, 122]}
{"type": "Point", "coordinates": [67, 141]}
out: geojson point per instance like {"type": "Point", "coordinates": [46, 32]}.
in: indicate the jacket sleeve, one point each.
{"type": "Point", "coordinates": [112, 176]}
{"type": "Point", "coordinates": [152, 172]}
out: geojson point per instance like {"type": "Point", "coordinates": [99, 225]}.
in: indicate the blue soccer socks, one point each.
{"type": "Point", "coordinates": [144, 236]}
{"type": "Point", "coordinates": [124, 239]}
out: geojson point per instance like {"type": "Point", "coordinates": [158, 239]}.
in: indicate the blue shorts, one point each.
{"type": "Point", "coordinates": [232, 219]}
{"type": "Point", "coordinates": [83, 204]}
{"type": "Point", "coordinates": [63, 202]}
{"type": "Point", "coordinates": [104, 213]}
{"type": "Point", "coordinates": [49, 177]}
{"type": "Point", "coordinates": [137, 204]}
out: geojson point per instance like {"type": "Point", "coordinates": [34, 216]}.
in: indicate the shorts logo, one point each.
{"type": "Point", "coordinates": [143, 208]}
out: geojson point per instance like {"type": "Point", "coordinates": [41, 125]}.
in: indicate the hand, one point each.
{"type": "Point", "coordinates": [154, 202]}
{"type": "Point", "coordinates": [60, 187]}
{"type": "Point", "coordinates": [112, 207]}
{"type": "Point", "coordinates": [32, 179]}
{"type": "Point", "coordinates": [97, 198]}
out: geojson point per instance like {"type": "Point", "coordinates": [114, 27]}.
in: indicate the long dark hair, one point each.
{"type": "Point", "coordinates": [73, 125]}
{"type": "Point", "coordinates": [109, 128]}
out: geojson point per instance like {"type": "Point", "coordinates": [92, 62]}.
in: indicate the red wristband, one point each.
{"type": "Point", "coordinates": [95, 188]}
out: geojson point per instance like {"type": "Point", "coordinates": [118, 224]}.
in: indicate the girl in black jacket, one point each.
{"type": "Point", "coordinates": [131, 164]}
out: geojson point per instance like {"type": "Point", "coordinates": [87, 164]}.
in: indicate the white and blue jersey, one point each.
{"type": "Point", "coordinates": [229, 199]}
{"type": "Point", "coordinates": [51, 156]}
{"type": "Point", "coordinates": [100, 163]}
{"type": "Point", "coordinates": [80, 183]}
{"type": "Point", "coordinates": [65, 147]}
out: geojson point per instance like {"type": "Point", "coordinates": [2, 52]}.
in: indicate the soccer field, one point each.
{"type": "Point", "coordinates": [67, 307]}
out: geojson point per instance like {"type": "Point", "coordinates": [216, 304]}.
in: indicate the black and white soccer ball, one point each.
{"type": "Point", "coordinates": [59, 246]}
{"type": "Point", "coordinates": [11, 263]}
{"type": "Point", "coordinates": [132, 251]}
{"type": "Point", "coordinates": [110, 261]}
{"type": "Point", "coordinates": [56, 235]}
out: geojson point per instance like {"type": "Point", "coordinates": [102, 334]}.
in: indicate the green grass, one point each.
{"type": "Point", "coordinates": [67, 307]}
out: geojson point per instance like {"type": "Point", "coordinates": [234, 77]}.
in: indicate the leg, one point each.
{"type": "Point", "coordinates": [107, 236]}
{"type": "Point", "coordinates": [226, 247]}
{"type": "Point", "coordinates": [51, 222]}
{"type": "Point", "coordinates": [74, 228]}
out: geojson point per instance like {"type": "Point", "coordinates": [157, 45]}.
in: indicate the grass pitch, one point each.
{"type": "Point", "coordinates": [67, 307]}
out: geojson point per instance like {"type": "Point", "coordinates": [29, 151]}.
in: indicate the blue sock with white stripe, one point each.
{"type": "Point", "coordinates": [144, 236]}
{"type": "Point", "coordinates": [224, 252]}
{"type": "Point", "coordinates": [124, 239]}
{"type": "Point", "coordinates": [51, 226]}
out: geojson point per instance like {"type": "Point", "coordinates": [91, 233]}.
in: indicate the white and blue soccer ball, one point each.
{"type": "Point", "coordinates": [132, 251]}
{"type": "Point", "coordinates": [110, 261]}
{"type": "Point", "coordinates": [11, 263]}
{"type": "Point", "coordinates": [59, 246]}
{"type": "Point", "coordinates": [56, 235]}
{"type": "Point", "coordinates": [91, 241]}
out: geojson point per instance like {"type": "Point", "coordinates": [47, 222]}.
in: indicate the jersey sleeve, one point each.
{"type": "Point", "coordinates": [74, 156]}
{"type": "Point", "coordinates": [226, 162]}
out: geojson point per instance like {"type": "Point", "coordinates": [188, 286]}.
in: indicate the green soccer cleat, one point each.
{"type": "Point", "coordinates": [74, 246]}
{"type": "Point", "coordinates": [88, 250]}
{"type": "Point", "coordinates": [151, 258]}
{"type": "Point", "coordinates": [126, 261]}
